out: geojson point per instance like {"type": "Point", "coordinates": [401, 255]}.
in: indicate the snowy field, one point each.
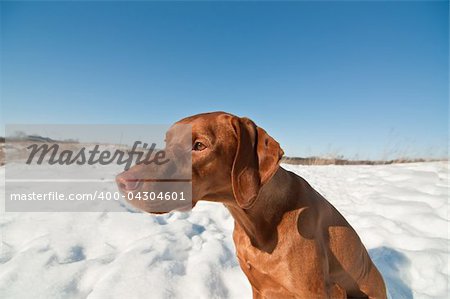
{"type": "Point", "coordinates": [400, 211]}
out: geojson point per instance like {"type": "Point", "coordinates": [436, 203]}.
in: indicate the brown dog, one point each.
{"type": "Point", "coordinates": [290, 241]}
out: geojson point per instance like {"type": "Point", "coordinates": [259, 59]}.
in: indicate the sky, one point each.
{"type": "Point", "coordinates": [352, 79]}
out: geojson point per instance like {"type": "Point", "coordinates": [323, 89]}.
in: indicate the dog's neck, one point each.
{"type": "Point", "coordinates": [260, 222]}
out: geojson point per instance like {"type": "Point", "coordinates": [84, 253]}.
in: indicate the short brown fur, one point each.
{"type": "Point", "coordinates": [290, 241]}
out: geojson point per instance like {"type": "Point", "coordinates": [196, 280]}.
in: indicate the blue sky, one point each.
{"type": "Point", "coordinates": [358, 79]}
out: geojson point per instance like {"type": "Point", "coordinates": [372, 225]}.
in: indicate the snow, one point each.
{"type": "Point", "coordinates": [400, 212]}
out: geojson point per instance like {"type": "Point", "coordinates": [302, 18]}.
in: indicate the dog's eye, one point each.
{"type": "Point", "coordinates": [198, 146]}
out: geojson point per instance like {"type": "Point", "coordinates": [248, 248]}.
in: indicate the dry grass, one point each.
{"type": "Point", "coordinates": [336, 161]}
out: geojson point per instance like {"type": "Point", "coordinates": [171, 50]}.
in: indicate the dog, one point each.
{"type": "Point", "coordinates": [290, 241]}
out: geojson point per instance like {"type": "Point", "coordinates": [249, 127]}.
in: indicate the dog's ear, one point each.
{"type": "Point", "coordinates": [256, 161]}
{"type": "Point", "coordinates": [269, 155]}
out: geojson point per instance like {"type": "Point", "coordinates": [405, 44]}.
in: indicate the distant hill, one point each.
{"type": "Point", "coordinates": [36, 138]}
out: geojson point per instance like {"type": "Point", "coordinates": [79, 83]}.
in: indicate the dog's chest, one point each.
{"type": "Point", "coordinates": [262, 272]}
{"type": "Point", "coordinates": [269, 273]}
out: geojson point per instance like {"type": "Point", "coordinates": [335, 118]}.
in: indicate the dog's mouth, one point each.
{"type": "Point", "coordinates": [130, 185]}
{"type": "Point", "coordinates": [154, 196]}
{"type": "Point", "coordinates": [143, 202]}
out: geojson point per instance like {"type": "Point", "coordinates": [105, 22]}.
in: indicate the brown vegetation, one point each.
{"type": "Point", "coordinates": [337, 161]}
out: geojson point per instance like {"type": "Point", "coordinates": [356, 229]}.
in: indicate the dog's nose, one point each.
{"type": "Point", "coordinates": [127, 182]}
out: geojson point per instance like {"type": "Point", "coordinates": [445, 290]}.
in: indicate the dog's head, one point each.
{"type": "Point", "coordinates": [231, 159]}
